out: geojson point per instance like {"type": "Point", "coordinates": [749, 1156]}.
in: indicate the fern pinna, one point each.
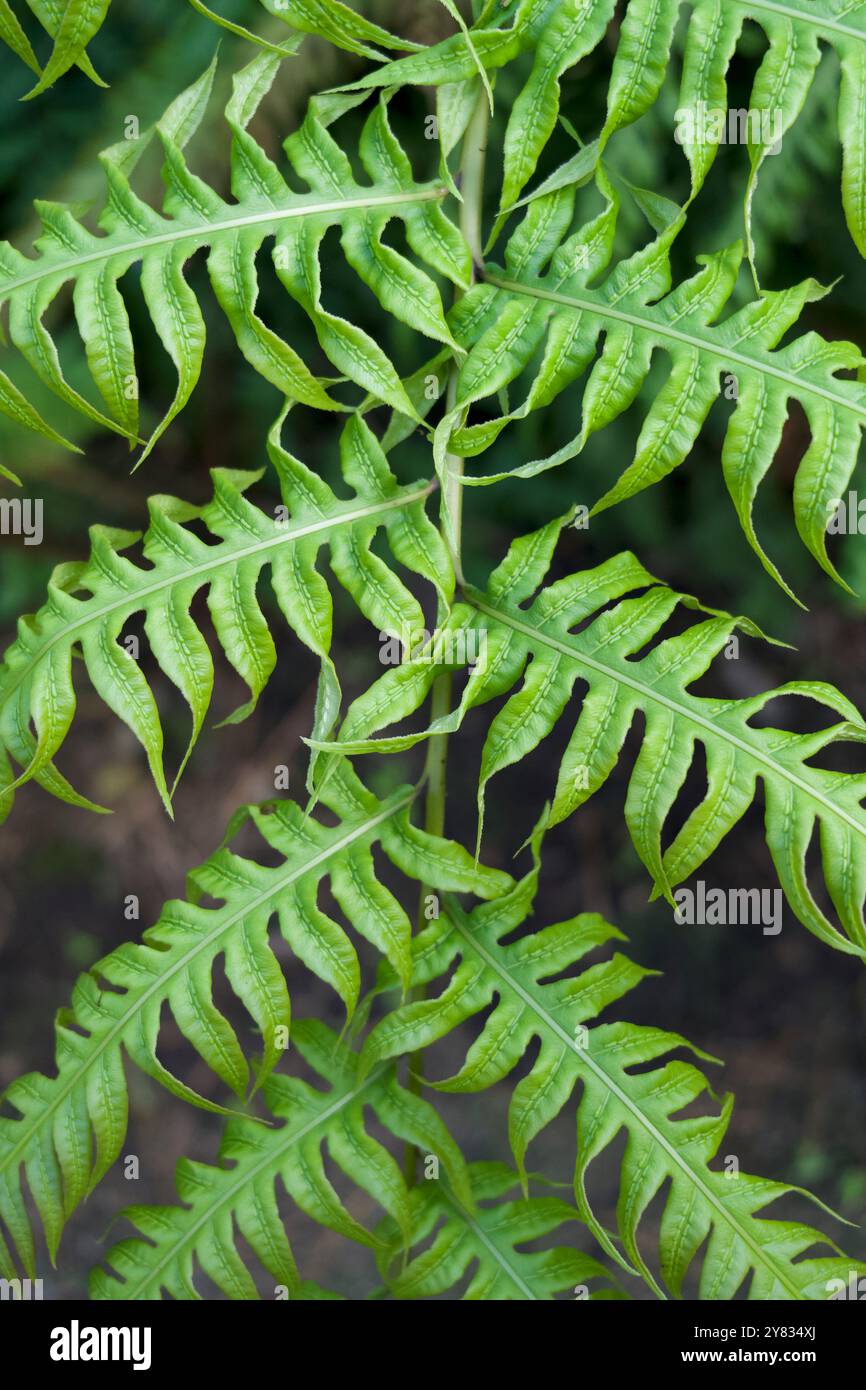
{"type": "Point", "coordinates": [502, 281]}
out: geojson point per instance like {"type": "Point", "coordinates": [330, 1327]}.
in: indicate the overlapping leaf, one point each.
{"type": "Point", "coordinates": [568, 35]}
{"type": "Point", "coordinates": [73, 23]}
{"type": "Point", "coordinates": [794, 32]}
{"type": "Point", "coordinates": [530, 997]}
{"type": "Point", "coordinates": [486, 1241]}
{"type": "Point", "coordinates": [544, 302]}
{"type": "Point", "coordinates": [556, 34]}
{"type": "Point", "coordinates": [70, 23]}
{"type": "Point", "coordinates": [543, 315]}
{"type": "Point", "coordinates": [90, 605]}
{"type": "Point", "coordinates": [195, 217]}
{"type": "Point", "coordinates": [499, 35]}
{"type": "Point", "coordinates": [71, 1127]}
{"type": "Point", "coordinates": [340, 24]}
{"type": "Point", "coordinates": [560, 35]}
{"type": "Point", "coordinates": [599, 627]}
{"type": "Point", "coordinates": [222, 1201]}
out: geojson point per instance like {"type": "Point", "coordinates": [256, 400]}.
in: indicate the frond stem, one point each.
{"type": "Point", "coordinates": [471, 181]}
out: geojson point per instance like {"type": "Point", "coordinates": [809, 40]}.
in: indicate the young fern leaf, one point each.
{"type": "Point", "coordinates": [502, 31]}
{"type": "Point", "coordinates": [195, 217]}
{"type": "Point", "coordinates": [700, 1204]}
{"type": "Point", "coordinates": [218, 1201]}
{"type": "Point", "coordinates": [72, 1126]}
{"type": "Point", "coordinates": [487, 1240]}
{"type": "Point", "coordinates": [543, 299]}
{"type": "Point", "coordinates": [90, 604]}
{"type": "Point", "coordinates": [557, 35]}
{"type": "Point", "coordinates": [531, 643]}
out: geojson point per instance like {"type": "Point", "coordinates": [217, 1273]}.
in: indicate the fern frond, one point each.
{"type": "Point", "coordinates": [453, 60]}
{"type": "Point", "coordinates": [73, 23]}
{"type": "Point", "coordinates": [195, 217]}
{"type": "Point", "coordinates": [218, 1201]}
{"type": "Point", "coordinates": [486, 1240]}
{"type": "Point", "coordinates": [532, 644]}
{"type": "Point", "coordinates": [72, 1126]}
{"type": "Point", "coordinates": [544, 301]}
{"type": "Point", "coordinates": [559, 36]}
{"type": "Point", "coordinates": [794, 32]}
{"type": "Point", "coordinates": [519, 983]}
{"type": "Point", "coordinates": [90, 604]}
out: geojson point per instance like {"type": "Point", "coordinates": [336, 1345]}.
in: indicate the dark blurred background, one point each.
{"type": "Point", "coordinates": [785, 1013]}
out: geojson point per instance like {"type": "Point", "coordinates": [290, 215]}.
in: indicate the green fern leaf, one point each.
{"type": "Point", "coordinates": [571, 32]}
{"type": "Point", "coordinates": [701, 1204]}
{"type": "Point", "coordinates": [486, 1239]}
{"type": "Point", "coordinates": [339, 24]}
{"type": "Point", "coordinates": [196, 217]}
{"type": "Point", "coordinates": [525, 308]}
{"type": "Point", "coordinates": [70, 23]}
{"type": "Point", "coordinates": [794, 34]}
{"type": "Point", "coordinates": [77, 22]}
{"type": "Point", "coordinates": [90, 604]}
{"type": "Point", "coordinates": [559, 36]}
{"type": "Point", "coordinates": [72, 1126]}
{"type": "Point", "coordinates": [218, 1200]}
{"type": "Point", "coordinates": [533, 644]}
{"type": "Point", "coordinates": [499, 34]}
{"type": "Point", "coordinates": [452, 60]}
{"type": "Point", "coordinates": [73, 23]}
{"type": "Point", "coordinates": [15, 38]}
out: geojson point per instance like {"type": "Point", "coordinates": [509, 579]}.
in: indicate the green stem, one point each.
{"type": "Point", "coordinates": [472, 189]}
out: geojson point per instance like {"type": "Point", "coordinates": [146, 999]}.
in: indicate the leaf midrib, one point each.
{"type": "Point", "coordinates": [208, 229]}
{"type": "Point", "coordinates": [346, 517]}
{"type": "Point", "coordinates": [119, 1026]}
{"type": "Point", "coordinates": [647, 692]}
{"type": "Point", "coordinates": [797, 385]}
{"type": "Point", "coordinates": [501, 970]}
{"type": "Point", "coordinates": [489, 1244]}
